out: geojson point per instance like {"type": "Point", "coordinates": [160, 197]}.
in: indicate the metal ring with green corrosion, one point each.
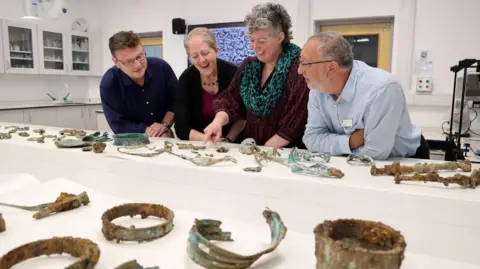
{"type": "Point", "coordinates": [116, 232]}
{"type": "Point", "coordinates": [87, 251]}
{"type": "Point", "coordinates": [360, 160]}
{"type": "Point", "coordinates": [216, 257]}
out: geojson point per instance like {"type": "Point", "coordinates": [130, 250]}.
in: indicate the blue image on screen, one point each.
{"type": "Point", "coordinates": [233, 42]}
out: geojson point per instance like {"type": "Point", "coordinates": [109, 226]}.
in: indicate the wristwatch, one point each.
{"type": "Point", "coordinates": [165, 124]}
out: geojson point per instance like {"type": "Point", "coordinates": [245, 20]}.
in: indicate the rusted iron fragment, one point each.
{"type": "Point", "coordinates": [471, 181]}
{"type": "Point", "coordinates": [99, 147]}
{"type": "Point", "coordinates": [133, 264]}
{"type": "Point", "coordinates": [359, 244]}
{"type": "Point", "coordinates": [3, 226]}
{"type": "Point", "coordinates": [396, 168]}
{"type": "Point", "coordinates": [112, 231]}
{"type": "Point", "coordinates": [73, 132]}
{"type": "Point", "coordinates": [87, 251]}
{"type": "Point", "coordinates": [64, 202]}
{"type": "Point", "coordinates": [216, 257]}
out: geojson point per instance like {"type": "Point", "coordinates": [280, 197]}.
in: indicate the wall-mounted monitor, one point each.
{"type": "Point", "coordinates": [232, 39]}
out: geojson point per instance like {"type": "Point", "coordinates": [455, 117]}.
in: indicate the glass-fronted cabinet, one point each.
{"type": "Point", "coordinates": [53, 48]}
{"type": "Point", "coordinates": [81, 54]}
{"type": "Point", "coordinates": [19, 46]}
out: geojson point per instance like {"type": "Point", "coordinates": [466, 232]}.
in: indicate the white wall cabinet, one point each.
{"type": "Point", "coordinates": [79, 117]}
{"type": "Point", "coordinates": [71, 117]}
{"type": "Point", "coordinates": [53, 50]}
{"type": "Point", "coordinates": [14, 116]}
{"type": "Point", "coordinates": [29, 48]}
{"type": "Point", "coordinates": [41, 116]}
{"type": "Point", "coordinates": [20, 50]}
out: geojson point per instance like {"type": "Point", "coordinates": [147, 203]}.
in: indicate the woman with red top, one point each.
{"type": "Point", "coordinates": [199, 85]}
{"type": "Point", "coordinates": [266, 90]}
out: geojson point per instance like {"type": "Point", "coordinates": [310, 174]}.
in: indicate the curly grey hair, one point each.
{"type": "Point", "coordinates": [270, 16]}
{"type": "Point", "coordinates": [333, 46]}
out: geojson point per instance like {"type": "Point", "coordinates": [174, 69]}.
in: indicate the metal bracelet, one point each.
{"type": "Point", "coordinates": [215, 257]}
{"type": "Point", "coordinates": [115, 232]}
{"type": "Point", "coordinates": [87, 251]}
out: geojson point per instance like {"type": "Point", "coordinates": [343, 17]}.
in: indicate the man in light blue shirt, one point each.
{"type": "Point", "coordinates": [354, 108]}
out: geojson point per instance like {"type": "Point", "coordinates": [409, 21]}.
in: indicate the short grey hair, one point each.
{"type": "Point", "coordinates": [207, 36]}
{"type": "Point", "coordinates": [270, 16]}
{"type": "Point", "coordinates": [333, 46]}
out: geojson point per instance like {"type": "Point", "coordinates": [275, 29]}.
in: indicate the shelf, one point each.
{"type": "Point", "coordinates": [53, 48]}
{"type": "Point", "coordinates": [85, 51]}
{"type": "Point", "coordinates": [19, 51]}
{"type": "Point", "coordinates": [54, 61]}
{"type": "Point", "coordinates": [23, 59]}
{"type": "Point", "coordinates": [80, 63]}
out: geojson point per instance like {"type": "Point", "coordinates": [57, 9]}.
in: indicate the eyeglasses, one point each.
{"type": "Point", "coordinates": [308, 64]}
{"type": "Point", "coordinates": [130, 62]}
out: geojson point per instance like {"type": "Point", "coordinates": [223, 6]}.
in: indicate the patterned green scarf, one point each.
{"type": "Point", "coordinates": [258, 102]}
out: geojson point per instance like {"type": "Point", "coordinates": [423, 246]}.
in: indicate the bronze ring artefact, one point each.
{"type": "Point", "coordinates": [86, 250]}
{"type": "Point", "coordinates": [116, 232]}
{"type": "Point", "coordinates": [216, 257]}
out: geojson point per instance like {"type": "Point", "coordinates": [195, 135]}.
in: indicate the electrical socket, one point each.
{"type": "Point", "coordinates": [424, 84]}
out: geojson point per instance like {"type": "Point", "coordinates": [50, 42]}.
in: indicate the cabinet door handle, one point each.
{"type": "Point", "coordinates": [29, 118]}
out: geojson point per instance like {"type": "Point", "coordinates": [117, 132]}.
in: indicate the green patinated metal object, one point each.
{"type": "Point", "coordinates": [130, 139]}
{"type": "Point", "coordinates": [97, 137]}
{"type": "Point", "coordinates": [358, 244]}
{"type": "Point", "coordinates": [112, 231]}
{"type": "Point", "coordinates": [215, 257]}
{"type": "Point", "coordinates": [133, 264]}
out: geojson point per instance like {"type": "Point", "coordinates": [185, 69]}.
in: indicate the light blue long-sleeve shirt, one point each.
{"type": "Point", "coordinates": [373, 100]}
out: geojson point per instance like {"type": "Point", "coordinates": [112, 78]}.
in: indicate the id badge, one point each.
{"type": "Point", "coordinates": [347, 123]}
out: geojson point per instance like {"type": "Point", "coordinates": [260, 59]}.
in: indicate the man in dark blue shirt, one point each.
{"type": "Point", "coordinates": [138, 92]}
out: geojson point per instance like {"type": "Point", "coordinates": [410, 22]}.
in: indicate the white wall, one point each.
{"type": "Point", "coordinates": [22, 88]}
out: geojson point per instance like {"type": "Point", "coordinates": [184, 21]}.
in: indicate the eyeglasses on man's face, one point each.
{"type": "Point", "coordinates": [306, 65]}
{"type": "Point", "coordinates": [130, 62]}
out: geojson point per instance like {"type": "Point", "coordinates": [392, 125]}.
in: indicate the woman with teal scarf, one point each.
{"type": "Point", "coordinates": [266, 91]}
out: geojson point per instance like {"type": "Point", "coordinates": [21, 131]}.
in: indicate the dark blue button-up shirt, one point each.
{"type": "Point", "coordinates": [130, 108]}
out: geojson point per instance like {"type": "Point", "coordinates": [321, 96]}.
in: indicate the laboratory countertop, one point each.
{"type": "Point", "coordinates": [437, 221]}
{"type": "Point", "coordinates": [45, 104]}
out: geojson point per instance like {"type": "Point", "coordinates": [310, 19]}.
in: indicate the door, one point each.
{"type": "Point", "coordinates": [153, 46]}
{"type": "Point", "coordinates": [71, 117]}
{"type": "Point", "coordinates": [371, 42]}
{"type": "Point", "coordinates": [20, 47]}
{"type": "Point", "coordinates": [52, 51]}
{"type": "Point", "coordinates": [41, 116]}
{"type": "Point", "coordinates": [80, 54]}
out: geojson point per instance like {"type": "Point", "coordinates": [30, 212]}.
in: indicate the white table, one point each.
{"type": "Point", "coordinates": [436, 221]}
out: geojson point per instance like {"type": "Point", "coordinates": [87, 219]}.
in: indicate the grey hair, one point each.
{"type": "Point", "coordinates": [270, 16]}
{"type": "Point", "coordinates": [207, 37]}
{"type": "Point", "coordinates": [333, 46]}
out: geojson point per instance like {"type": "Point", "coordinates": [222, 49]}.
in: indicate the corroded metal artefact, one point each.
{"type": "Point", "coordinates": [24, 134]}
{"type": "Point", "coordinates": [359, 244]}
{"type": "Point", "coordinates": [115, 232]}
{"type": "Point", "coordinates": [152, 151]}
{"type": "Point", "coordinates": [253, 169]}
{"type": "Point", "coordinates": [97, 137]}
{"type": "Point", "coordinates": [198, 160]}
{"type": "Point", "coordinates": [87, 251]}
{"type": "Point", "coordinates": [133, 264]}
{"type": "Point", "coordinates": [64, 202]}
{"type": "Point", "coordinates": [130, 139]}
{"type": "Point", "coordinates": [40, 139]}
{"type": "Point", "coordinates": [99, 147]}
{"type": "Point", "coordinates": [222, 150]}
{"type": "Point", "coordinates": [248, 147]}
{"type": "Point", "coordinates": [5, 136]}
{"type": "Point", "coordinates": [216, 257]}
{"type": "Point", "coordinates": [73, 132]}
{"type": "Point", "coordinates": [39, 131]}
{"type": "Point", "coordinates": [3, 226]}
{"type": "Point", "coordinates": [360, 160]}
{"type": "Point", "coordinates": [190, 146]}
{"type": "Point", "coordinates": [396, 168]}
{"type": "Point", "coordinates": [471, 181]}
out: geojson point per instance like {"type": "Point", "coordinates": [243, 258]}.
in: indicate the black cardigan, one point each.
{"type": "Point", "coordinates": [188, 103]}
